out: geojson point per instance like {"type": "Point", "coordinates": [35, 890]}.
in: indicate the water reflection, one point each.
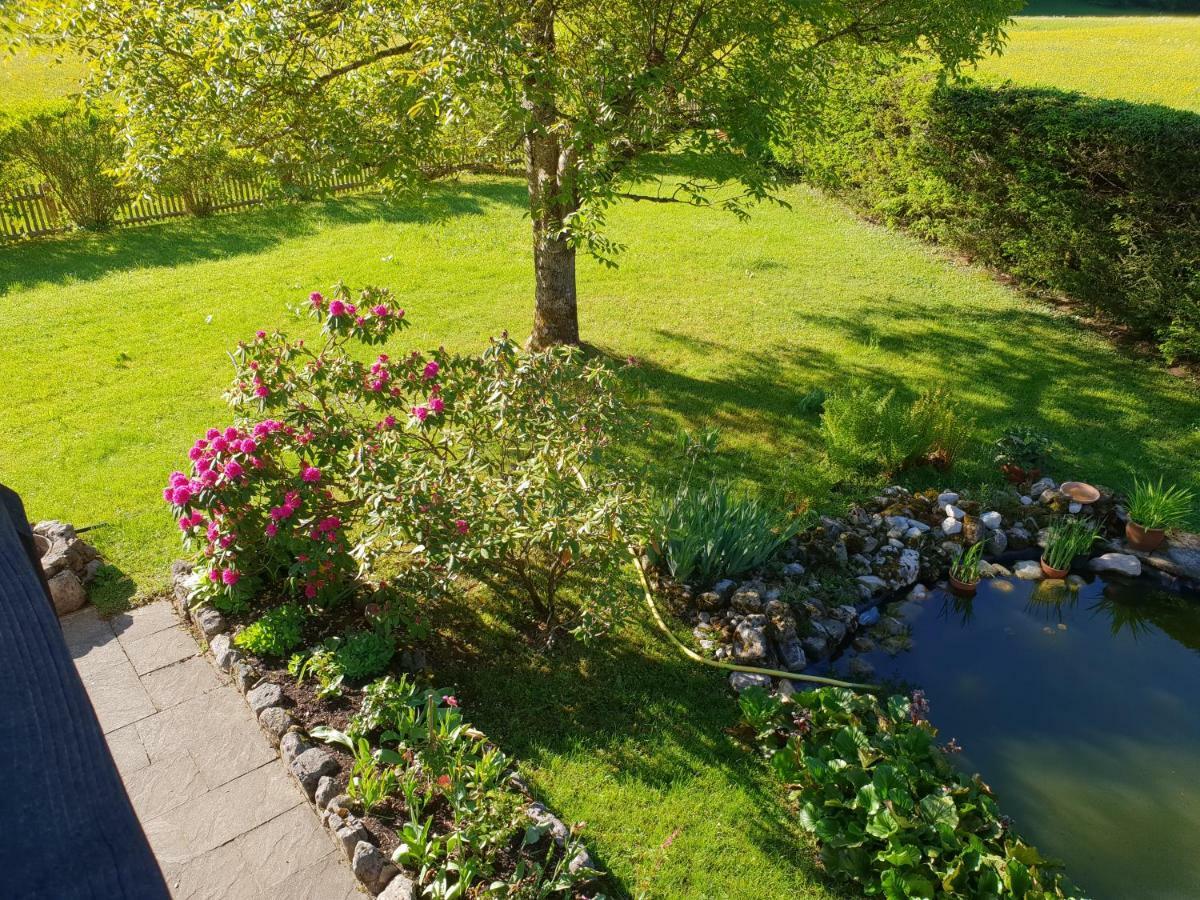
{"type": "Point", "coordinates": [1078, 707]}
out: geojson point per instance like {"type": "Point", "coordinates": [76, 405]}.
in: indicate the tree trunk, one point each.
{"type": "Point", "coordinates": [550, 173]}
{"type": "Point", "coordinates": [555, 317]}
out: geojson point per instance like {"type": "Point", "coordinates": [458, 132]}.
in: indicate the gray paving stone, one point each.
{"type": "Point", "coordinates": [125, 744]}
{"type": "Point", "coordinates": [328, 879]}
{"type": "Point", "coordinates": [217, 817]}
{"type": "Point", "coordinates": [180, 682]}
{"type": "Point", "coordinates": [164, 785]}
{"type": "Point", "coordinates": [221, 874]}
{"type": "Point", "coordinates": [90, 640]}
{"type": "Point", "coordinates": [278, 849]}
{"type": "Point", "coordinates": [143, 621]}
{"type": "Point", "coordinates": [116, 693]}
{"type": "Point", "coordinates": [160, 649]}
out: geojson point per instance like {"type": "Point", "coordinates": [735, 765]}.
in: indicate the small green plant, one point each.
{"type": "Point", "coordinates": [966, 567]}
{"type": "Point", "coordinates": [813, 402]}
{"type": "Point", "coordinates": [371, 780]}
{"type": "Point", "coordinates": [1156, 506]}
{"type": "Point", "coordinates": [321, 665]}
{"type": "Point", "coordinates": [760, 709]}
{"type": "Point", "coordinates": [711, 532]}
{"type": "Point", "coordinates": [880, 432]}
{"type": "Point", "coordinates": [362, 654]}
{"type": "Point", "coordinates": [1067, 539]}
{"type": "Point", "coordinates": [276, 633]}
{"type": "Point", "coordinates": [1023, 448]}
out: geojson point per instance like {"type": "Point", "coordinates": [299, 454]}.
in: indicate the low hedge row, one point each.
{"type": "Point", "coordinates": [1096, 199]}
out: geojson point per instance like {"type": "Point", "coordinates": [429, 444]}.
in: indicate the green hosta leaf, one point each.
{"type": "Point", "coordinates": [883, 824]}
{"type": "Point", "coordinates": [1026, 854]}
{"type": "Point", "coordinates": [938, 810]}
{"type": "Point", "coordinates": [849, 741]}
{"type": "Point", "coordinates": [917, 887]}
{"type": "Point", "coordinates": [900, 856]}
{"type": "Point", "coordinates": [867, 799]}
{"type": "Point", "coordinates": [332, 736]}
{"type": "Point", "coordinates": [1016, 879]}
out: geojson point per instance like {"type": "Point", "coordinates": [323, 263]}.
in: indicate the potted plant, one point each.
{"type": "Point", "coordinates": [1021, 454]}
{"type": "Point", "coordinates": [1155, 508]}
{"type": "Point", "coordinates": [1065, 540]}
{"type": "Point", "coordinates": [964, 571]}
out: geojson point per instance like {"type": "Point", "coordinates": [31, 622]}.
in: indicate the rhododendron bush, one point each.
{"type": "Point", "coordinates": [346, 467]}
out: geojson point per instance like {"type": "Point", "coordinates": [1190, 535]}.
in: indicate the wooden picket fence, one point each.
{"type": "Point", "coordinates": [33, 211]}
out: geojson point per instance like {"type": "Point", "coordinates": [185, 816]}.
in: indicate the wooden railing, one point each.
{"type": "Point", "coordinates": [32, 210]}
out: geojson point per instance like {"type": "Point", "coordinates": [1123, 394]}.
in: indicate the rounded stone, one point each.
{"type": "Point", "coordinates": [67, 592]}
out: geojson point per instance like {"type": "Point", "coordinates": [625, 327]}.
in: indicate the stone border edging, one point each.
{"type": "Point", "coordinates": [313, 768]}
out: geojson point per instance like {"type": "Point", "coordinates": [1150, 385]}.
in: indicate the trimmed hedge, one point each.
{"type": "Point", "coordinates": [1097, 199]}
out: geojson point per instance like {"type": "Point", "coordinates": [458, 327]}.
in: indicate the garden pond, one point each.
{"type": "Point", "coordinates": [1079, 708]}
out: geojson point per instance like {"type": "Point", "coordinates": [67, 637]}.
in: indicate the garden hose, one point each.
{"type": "Point", "coordinates": [732, 667]}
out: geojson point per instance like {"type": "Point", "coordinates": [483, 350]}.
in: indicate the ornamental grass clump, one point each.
{"type": "Point", "coordinates": [1155, 506]}
{"type": "Point", "coordinates": [892, 816]}
{"type": "Point", "coordinates": [1067, 539]}
{"type": "Point", "coordinates": [708, 532]}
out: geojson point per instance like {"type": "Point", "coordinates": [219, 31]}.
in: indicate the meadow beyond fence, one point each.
{"type": "Point", "coordinates": [33, 210]}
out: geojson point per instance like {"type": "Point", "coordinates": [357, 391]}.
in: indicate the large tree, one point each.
{"type": "Point", "coordinates": [586, 90]}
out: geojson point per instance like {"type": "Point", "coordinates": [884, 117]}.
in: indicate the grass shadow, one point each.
{"type": "Point", "coordinates": [86, 257]}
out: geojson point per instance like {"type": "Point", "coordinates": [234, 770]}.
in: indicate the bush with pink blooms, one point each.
{"type": "Point", "coordinates": [340, 471]}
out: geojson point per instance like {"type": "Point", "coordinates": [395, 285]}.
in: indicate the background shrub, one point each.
{"type": "Point", "coordinates": [881, 432]}
{"type": "Point", "coordinates": [77, 153]}
{"type": "Point", "coordinates": [276, 633]}
{"type": "Point", "coordinates": [1097, 199]}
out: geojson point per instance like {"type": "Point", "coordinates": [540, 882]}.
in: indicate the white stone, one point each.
{"type": "Point", "coordinates": [947, 497]}
{"type": "Point", "coordinates": [919, 592]}
{"type": "Point", "coordinates": [739, 681]}
{"type": "Point", "coordinates": [992, 519]}
{"type": "Point", "coordinates": [1073, 507]}
{"type": "Point", "coordinates": [951, 526]}
{"type": "Point", "coordinates": [908, 568]}
{"type": "Point", "coordinates": [1029, 570]}
{"type": "Point", "coordinates": [1026, 500]}
{"type": "Point", "coordinates": [1123, 563]}
{"type": "Point", "coordinates": [953, 512]}
{"type": "Point", "coordinates": [872, 583]}
{"type": "Point", "coordinates": [913, 533]}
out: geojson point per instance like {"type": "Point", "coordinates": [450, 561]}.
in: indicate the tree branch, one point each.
{"type": "Point", "coordinates": [398, 50]}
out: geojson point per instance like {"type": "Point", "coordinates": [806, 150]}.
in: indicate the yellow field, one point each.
{"type": "Point", "coordinates": [1144, 59]}
{"type": "Point", "coordinates": [31, 82]}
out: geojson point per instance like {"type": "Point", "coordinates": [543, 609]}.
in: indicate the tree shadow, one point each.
{"type": "Point", "coordinates": [650, 716]}
{"type": "Point", "coordinates": [86, 257]}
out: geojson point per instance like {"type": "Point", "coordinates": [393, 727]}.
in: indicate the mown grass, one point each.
{"type": "Point", "coordinates": [34, 81]}
{"type": "Point", "coordinates": [114, 360]}
{"type": "Point", "coordinates": [1086, 47]}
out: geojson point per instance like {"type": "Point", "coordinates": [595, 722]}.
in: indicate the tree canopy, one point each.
{"type": "Point", "coordinates": [585, 92]}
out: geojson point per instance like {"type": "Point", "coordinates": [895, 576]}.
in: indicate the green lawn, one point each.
{"type": "Point", "coordinates": [1085, 47]}
{"type": "Point", "coordinates": [34, 81]}
{"type": "Point", "coordinates": [114, 360]}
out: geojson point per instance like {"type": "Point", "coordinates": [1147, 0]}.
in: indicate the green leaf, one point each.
{"type": "Point", "coordinates": [883, 824]}
{"type": "Point", "coordinates": [900, 856]}
{"type": "Point", "coordinates": [917, 886]}
{"type": "Point", "coordinates": [1017, 879]}
{"type": "Point", "coordinates": [939, 810]}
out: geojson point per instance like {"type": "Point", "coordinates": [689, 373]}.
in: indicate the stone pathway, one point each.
{"type": "Point", "coordinates": [222, 815]}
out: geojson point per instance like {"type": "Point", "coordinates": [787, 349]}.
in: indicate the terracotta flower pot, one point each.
{"type": "Point", "coordinates": [1145, 539]}
{"type": "Point", "coordinates": [963, 587]}
{"type": "Point", "coordinates": [1051, 572]}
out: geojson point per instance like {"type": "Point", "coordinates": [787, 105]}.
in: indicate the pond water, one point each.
{"type": "Point", "coordinates": [1081, 710]}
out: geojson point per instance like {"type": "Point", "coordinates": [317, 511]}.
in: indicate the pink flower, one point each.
{"type": "Point", "coordinates": [311, 474]}
{"type": "Point", "coordinates": [272, 529]}
{"type": "Point", "coordinates": [233, 469]}
{"type": "Point", "coordinates": [212, 433]}
{"type": "Point", "coordinates": [195, 453]}
{"type": "Point", "coordinates": [360, 321]}
{"type": "Point", "coordinates": [452, 702]}
{"type": "Point", "coordinates": [249, 445]}
{"type": "Point", "coordinates": [181, 495]}
{"type": "Point", "coordinates": [380, 311]}
{"type": "Point", "coordinates": [431, 370]}
{"type": "Point", "coordinates": [436, 404]}
{"type": "Point", "coordinates": [260, 334]}
{"type": "Point", "coordinates": [230, 576]}
{"type": "Point", "coordinates": [389, 421]}
{"type": "Point", "coordinates": [310, 591]}
{"type": "Point", "coordinates": [462, 526]}
{"type": "Point", "coordinates": [337, 308]}
{"type": "Point", "coordinates": [231, 433]}
{"type": "Point", "coordinates": [185, 523]}
{"type": "Point", "coordinates": [421, 412]}
{"type": "Point", "coordinates": [260, 390]}
{"type": "Point", "coordinates": [214, 575]}
{"type": "Point", "coordinates": [316, 299]}
{"type": "Point", "coordinates": [220, 444]}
